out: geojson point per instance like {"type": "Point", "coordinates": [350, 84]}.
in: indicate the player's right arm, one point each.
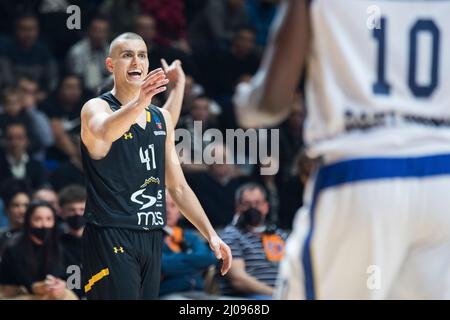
{"type": "Point", "coordinates": [268, 98]}
{"type": "Point", "coordinates": [100, 127]}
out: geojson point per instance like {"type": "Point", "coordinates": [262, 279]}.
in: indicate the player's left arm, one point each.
{"type": "Point", "coordinates": [269, 97]}
{"type": "Point", "coordinates": [186, 200]}
{"type": "Point", "coordinates": [177, 81]}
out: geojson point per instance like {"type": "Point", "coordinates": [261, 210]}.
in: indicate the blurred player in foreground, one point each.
{"type": "Point", "coordinates": [377, 223]}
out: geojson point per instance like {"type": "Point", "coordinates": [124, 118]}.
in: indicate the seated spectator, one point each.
{"type": "Point", "coordinates": [46, 193]}
{"type": "Point", "coordinates": [87, 57]}
{"type": "Point", "coordinates": [20, 106]}
{"type": "Point", "coordinates": [26, 56]}
{"type": "Point", "coordinates": [257, 248]}
{"type": "Point", "coordinates": [171, 21]}
{"type": "Point", "coordinates": [72, 200]}
{"type": "Point", "coordinates": [145, 26]}
{"type": "Point", "coordinates": [63, 107]}
{"type": "Point", "coordinates": [33, 264]}
{"type": "Point", "coordinates": [261, 14]}
{"type": "Point", "coordinates": [15, 161]}
{"type": "Point", "coordinates": [185, 258]}
{"type": "Point", "coordinates": [239, 60]}
{"type": "Point", "coordinates": [69, 171]}
{"type": "Point", "coordinates": [215, 25]}
{"type": "Point", "coordinates": [15, 195]}
{"type": "Point", "coordinates": [215, 187]}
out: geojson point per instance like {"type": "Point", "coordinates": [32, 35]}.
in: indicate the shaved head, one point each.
{"type": "Point", "coordinates": [124, 36]}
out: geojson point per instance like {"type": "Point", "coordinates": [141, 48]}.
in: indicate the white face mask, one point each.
{"type": "Point", "coordinates": [259, 229]}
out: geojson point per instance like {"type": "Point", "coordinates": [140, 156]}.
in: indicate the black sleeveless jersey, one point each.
{"type": "Point", "coordinates": [126, 188]}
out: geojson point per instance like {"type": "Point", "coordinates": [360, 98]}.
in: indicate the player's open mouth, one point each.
{"type": "Point", "coordinates": [134, 74]}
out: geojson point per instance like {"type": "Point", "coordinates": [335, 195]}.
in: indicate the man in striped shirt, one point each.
{"type": "Point", "coordinates": [256, 248]}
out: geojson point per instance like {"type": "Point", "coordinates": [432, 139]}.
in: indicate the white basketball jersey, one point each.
{"type": "Point", "coordinates": [378, 77]}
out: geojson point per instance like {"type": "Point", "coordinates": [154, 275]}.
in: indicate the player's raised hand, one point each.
{"type": "Point", "coordinates": [221, 251]}
{"type": "Point", "coordinates": [155, 82]}
{"type": "Point", "coordinates": [174, 72]}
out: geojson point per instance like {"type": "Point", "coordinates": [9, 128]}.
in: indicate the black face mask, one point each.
{"type": "Point", "coordinates": [76, 221]}
{"type": "Point", "coordinates": [250, 218]}
{"type": "Point", "coordinates": [42, 234]}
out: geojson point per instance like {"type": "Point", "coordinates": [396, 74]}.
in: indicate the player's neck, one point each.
{"type": "Point", "coordinates": [125, 94]}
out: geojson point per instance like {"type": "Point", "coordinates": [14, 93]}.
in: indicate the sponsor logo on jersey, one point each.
{"type": "Point", "coordinates": [150, 180]}
{"type": "Point", "coordinates": [118, 249]}
{"type": "Point", "coordinates": [157, 121]}
{"type": "Point", "coordinates": [159, 133]}
{"type": "Point", "coordinates": [128, 135]}
{"type": "Point", "coordinates": [148, 218]}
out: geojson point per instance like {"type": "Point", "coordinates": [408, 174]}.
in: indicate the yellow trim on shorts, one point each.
{"type": "Point", "coordinates": [96, 278]}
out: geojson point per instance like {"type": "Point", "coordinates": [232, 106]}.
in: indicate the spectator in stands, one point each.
{"type": "Point", "coordinates": [19, 106]}
{"type": "Point", "coordinates": [216, 24]}
{"type": "Point", "coordinates": [63, 108]}
{"type": "Point", "coordinates": [215, 187]}
{"type": "Point", "coordinates": [46, 193]}
{"type": "Point", "coordinates": [185, 258]}
{"type": "Point", "coordinates": [261, 14]}
{"type": "Point", "coordinates": [69, 171]}
{"type": "Point", "coordinates": [118, 21]}
{"type": "Point", "coordinates": [257, 248]}
{"type": "Point", "coordinates": [15, 161]}
{"type": "Point", "coordinates": [15, 196]}
{"type": "Point", "coordinates": [34, 264]}
{"type": "Point", "coordinates": [25, 55]}
{"type": "Point", "coordinates": [291, 139]}
{"type": "Point", "coordinates": [145, 26]}
{"type": "Point", "coordinates": [238, 60]}
{"type": "Point", "coordinates": [87, 57]}
{"type": "Point", "coordinates": [171, 22]}
{"type": "Point", "coordinates": [196, 123]}
{"type": "Point", "coordinates": [72, 200]}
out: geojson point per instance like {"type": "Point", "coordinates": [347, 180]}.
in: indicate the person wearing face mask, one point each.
{"type": "Point", "coordinates": [256, 246]}
{"type": "Point", "coordinates": [33, 264]}
{"type": "Point", "coordinates": [72, 200]}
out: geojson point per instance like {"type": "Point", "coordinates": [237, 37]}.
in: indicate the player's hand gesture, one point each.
{"type": "Point", "coordinates": [154, 83]}
{"type": "Point", "coordinates": [174, 72]}
{"type": "Point", "coordinates": [221, 251]}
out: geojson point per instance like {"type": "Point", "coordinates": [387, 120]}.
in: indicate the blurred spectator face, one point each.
{"type": "Point", "coordinates": [244, 43]}
{"type": "Point", "coordinates": [27, 31]}
{"type": "Point", "coordinates": [128, 62]}
{"type": "Point", "coordinates": [29, 90]}
{"type": "Point", "coordinates": [16, 140]}
{"type": "Point", "coordinates": [16, 210]}
{"type": "Point", "coordinates": [172, 212]}
{"type": "Point", "coordinates": [49, 196]}
{"type": "Point", "coordinates": [70, 91]}
{"type": "Point", "coordinates": [200, 109]}
{"type": "Point", "coordinates": [98, 33]}
{"type": "Point", "coordinates": [146, 27]}
{"type": "Point", "coordinates": [42, 217]}
{"type": "Point", "coordinates": [73, 209]}
{"type": "Point", "coordinates": [12, 104]}
{"type": "Point", "coordinates": [253, 198]}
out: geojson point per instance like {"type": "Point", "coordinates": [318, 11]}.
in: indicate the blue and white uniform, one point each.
{"type": "Point", "coordinates": [376, 224]}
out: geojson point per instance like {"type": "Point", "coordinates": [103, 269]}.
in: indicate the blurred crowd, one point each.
{"type": "Point", "coordinates": [47, 73]}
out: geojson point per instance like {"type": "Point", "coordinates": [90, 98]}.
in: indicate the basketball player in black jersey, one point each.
{"type": "Point", "coordinates": [129, 159]}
